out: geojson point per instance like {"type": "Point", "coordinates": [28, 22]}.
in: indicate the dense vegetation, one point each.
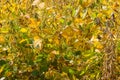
{"type": "Point", "coordinates": [60, 39]}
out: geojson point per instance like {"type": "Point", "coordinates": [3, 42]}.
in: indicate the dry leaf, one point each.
{"type": "Point", "coordinates": [37, 43]}
{"type": "Point", "coordinates": [35, 2]}
{"type": "Point", "coordinates": [41, 5]}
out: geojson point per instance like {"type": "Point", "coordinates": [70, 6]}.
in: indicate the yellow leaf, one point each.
{"type": "Point", "coordinates": [33, 23]}
{"type": "Point", "coordinates": [88, 20]}
{"type": "Point", "coordinates": [115, 5]}
{"type": "Point", "coordinates": [4, 30]}
{"type": "Point", "coordinates": [64, 74]}
{"type": "Point", "coordinates": [50, 39]}
{"type": "Point", "coordinates": [10, 56]}
{"type": "Point", "coordinates": [8, 73]}
{"type": "Point", "coordinates": [47, 30]}
{"type": "Point", "coordinates": [67, 32]}
{"type": "Point", "coordinates": [2, 40]}
{"type": "Point", "coordinates": [36, 37]}
{"type": "Point", "coordinates": [23, 30]}
{"type": "Point", "coordinates": [55, 39]}
{"type": "Point", "coordinates": [1, 69]}
{"type": "Point", "coordinates": [104, 2]}
{"type": "Point", "coordinates": [98, 45]}
{"type": "Point", "coordinates": [77, 44]}
{"type": "Point", "coordinates": [29, 69]}
{"type": "Point", "coordinates": [23, 40]}
{"type": "Point", "coordinates": [100, 15]}
{"type": "Point", "coordinates": [87, 3]}
{"type": "Point", "coordinates": [78, 20]}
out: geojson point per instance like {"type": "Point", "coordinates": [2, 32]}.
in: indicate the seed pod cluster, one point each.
{"type": "Point", "coordinates": [97, 21]}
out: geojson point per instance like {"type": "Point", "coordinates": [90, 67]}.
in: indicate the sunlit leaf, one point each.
{"type": "Point", "coordinates": [98, 45]}
{"type": "Point", "coordinates": [83, 72]}
{"type": "Point", "coordinates": [23, 40]}
{"type": "Point", "coordinates": [87, 3]}
{"type": "Point", "coordinates": [2, 39]}
{"type": "Point", "coordinates": [1, 69]}
{"type": "Point", "coordinates": [67, 33]}
{"type": "Point", "coordinates": [80, 21]}
{"type": "Point", "coordinates": [56, 40]}
{"type": "Point", "coordinates": [71, 71]}
{"type": "Point", "coordinates": [4, 30]}
{"type": "Point", "coordinates": [23, 30]}
{"type": "Point", "coordinates": [33, 23]}
{"type": "Point", "coordinates": [10, 56]}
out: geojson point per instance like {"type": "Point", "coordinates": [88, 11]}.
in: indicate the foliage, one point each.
{"type": "Point", "coordinates": [57, 39]}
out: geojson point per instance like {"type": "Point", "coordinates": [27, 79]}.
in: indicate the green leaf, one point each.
{"type": "Point", "coordinates": [35, 72]}
{"type": "Point", "coordinates": [62, 20]}
{"type": "Point", "coordinates": [43, 68]}
{"type": "Point", "coordinates": [68, 23]}
{"type": "Point", "coordinates": [65, 69]}
{"type": "Point", "coordinates": [76, 53]}
{"type": "Point", "coordinates": [82, 73]}
{"type": "Point", "coordinates": [71, 71]}
{"type": "Point", "coordinates": [2, 62]}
